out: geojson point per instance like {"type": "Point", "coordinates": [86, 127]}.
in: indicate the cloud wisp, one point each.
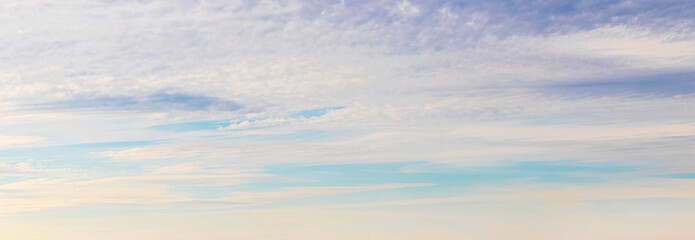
{"type": "Point", "coordinates": [160, 101]}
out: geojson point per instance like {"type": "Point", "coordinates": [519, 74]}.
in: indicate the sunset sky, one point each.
{"type": "Point", "coordinates": [351, 119]}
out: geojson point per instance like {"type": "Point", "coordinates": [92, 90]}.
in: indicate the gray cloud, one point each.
{"type": "Point", "coordinates": [661, 85]}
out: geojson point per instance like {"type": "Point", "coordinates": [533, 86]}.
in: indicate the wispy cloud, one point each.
{"type": "Point", "coordinates": [504, 111]}
{"type": "Point", "coordinates": [17, 140]}
{"type": "Point", "coordinates": [160, 101]}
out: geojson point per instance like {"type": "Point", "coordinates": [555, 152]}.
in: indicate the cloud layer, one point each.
{"type": "Point", "coordinates": [346, 119]}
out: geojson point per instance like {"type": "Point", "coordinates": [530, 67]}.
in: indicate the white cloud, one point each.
{"type": "Point", "coordinates": [577, 133]}
{"type": "Point", "coordinates": [407, 8]}
{"type": "Point", "coordinates": [152, 190]}
{"type": "Point", "coordinates": [142, 153]}
{"type": "Point", "coordinates": [663, 49]}
{"type": "Point", "coordinates": [302, 192]}
{"type": "Point", "coordinates": [6, 141]}
{"type": "Point", "coordinates": [26, 169]}
{"type": "Point", "coordinates": [246, 124]}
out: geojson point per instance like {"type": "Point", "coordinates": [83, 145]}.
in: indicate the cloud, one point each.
{"type": "Point", "coordinates": [407, 8]}
{"type": "Point", "coordinates": [578, 133]}
{"type": "Point", "coordinates": [6, 141]}
{"type": "Point", "coordinates": [160, 101]}
{"type": "Point", "coordinates": [43, 193]}
{"type": "Point", "coordinates": [51, 188]}
{"type": "Point", "coordinates": [148, 153]}
{"type": "Point", "coordinates": [26, 170]}
{"type": "Point", "coordinates": [455, 84]}
{"type": "Point", "coordinates": [302, 192]}
{"type": "Point", "coordinates": [662, 85]}
{"type": "Point", "coordinates": [272, 49]}
{"type": "Point", "coordinates": [306, 116]}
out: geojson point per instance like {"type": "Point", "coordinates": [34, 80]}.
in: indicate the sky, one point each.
{"type": "Point", "coordinates": [350, 119]}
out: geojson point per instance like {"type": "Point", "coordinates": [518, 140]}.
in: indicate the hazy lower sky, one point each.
{"type": "Point", "coordinates": [352, 119]}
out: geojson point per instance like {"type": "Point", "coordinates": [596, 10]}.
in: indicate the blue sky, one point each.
{"type": "Point", "coordinates": [389, 119]}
